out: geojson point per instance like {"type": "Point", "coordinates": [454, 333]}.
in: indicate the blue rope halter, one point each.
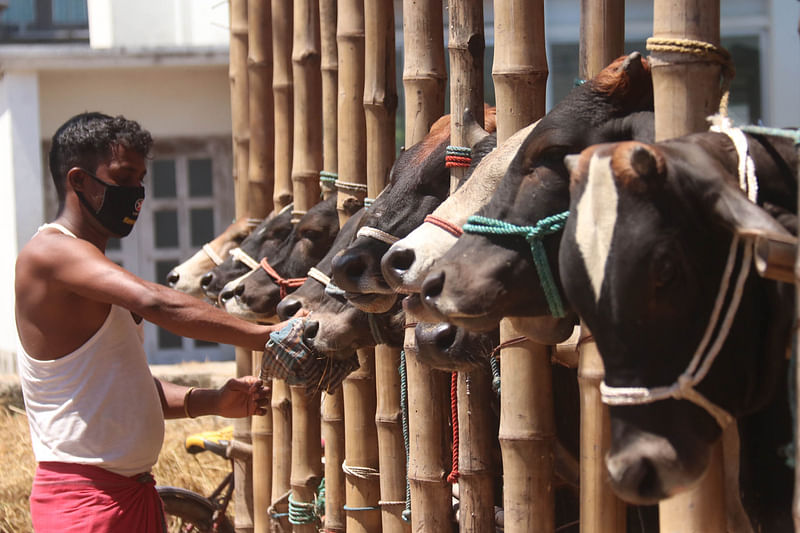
{"type": "Point", "coordinates": [533, 234]}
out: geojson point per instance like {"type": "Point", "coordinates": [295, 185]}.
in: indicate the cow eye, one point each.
{"type": "Point", "coordinates": [664, 269]}
{"type": "Point", "coordinates": [311, 234]}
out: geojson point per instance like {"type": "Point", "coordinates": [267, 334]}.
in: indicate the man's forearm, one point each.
{"type": "Point", "coordinates": [177, 404]}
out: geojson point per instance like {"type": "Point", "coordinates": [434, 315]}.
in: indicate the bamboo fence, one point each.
{"type": "Point", "coordinates": [282, 89]}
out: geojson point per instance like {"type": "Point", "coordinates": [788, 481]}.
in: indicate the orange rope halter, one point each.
{"type": "Point", "coordinates": [284, 283]}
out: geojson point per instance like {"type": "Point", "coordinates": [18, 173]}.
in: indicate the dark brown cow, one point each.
{"type": "Point", "coordinates": [656, 259]}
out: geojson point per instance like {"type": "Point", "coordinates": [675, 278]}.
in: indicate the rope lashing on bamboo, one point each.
{"type": "Point", "coordinates": [377, 234]}
{"type": "Point", "coordinates": [272, 510]}
{"type": "Point", "coordinates": [327, 180]}
{"type": "Point", "coordinates": [245, 258]}
{"type": "Point", "coordinates": [283, 283]}
{"type": "Point", "coordinates": [702, 50]}
{"type": "Point", "coordinates": [351, 187]}
{"type": "Point", "coordinates": [453, 476]}
{"type": "Point", "coordinates": [361, 472]}
{"type": "Point", "coordinates": [406, 514]}
{"type": "Point", "coordinates": [706, 352]}
{"type": "Point", "coordinates": [457, 156]}
{"type": "Point", "coordinates": [446, 225]}
{"type": "Point", "coordinates": [212, 254]}
{"type": "Point", "coordinates": [303, 513]}
{"type": "Point", "coordinates": [496, 365]}
{"type": "Point", "coordinates": [534, 235]}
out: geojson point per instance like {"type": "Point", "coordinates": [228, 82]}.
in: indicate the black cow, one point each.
{"type": "Point", "coordinates": [485, 277]}
{"type": "Point", "coordinates": [643, 260]}
{"type": "Point", "coordinates": [419, 182]}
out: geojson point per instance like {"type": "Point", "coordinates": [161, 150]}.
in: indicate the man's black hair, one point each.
{"type": "Point", "coordinates": [87, 140]}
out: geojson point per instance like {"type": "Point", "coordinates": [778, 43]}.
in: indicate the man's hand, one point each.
{"type": "Point", "coordinates": [244, 396]}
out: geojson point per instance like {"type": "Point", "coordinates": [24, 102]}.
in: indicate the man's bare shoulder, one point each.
{"type": "Point", "coordinates": [48, 251]}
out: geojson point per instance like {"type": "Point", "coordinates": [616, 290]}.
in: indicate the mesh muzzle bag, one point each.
{"type": "Point", "coordinates": [287, 357]}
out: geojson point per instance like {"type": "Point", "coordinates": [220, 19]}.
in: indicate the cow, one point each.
{"type": "Point", "coordinates": [616, 104]}
{"type": "Point", "coordinates": [419, 182]}
{"type": "Point", "coordinates": [186, 276]}
{"type": "Point", "coordinates": [257, 293]}
{"type": "Point", "coordinates": [265, 239]}
{"type": "Point", "coordinates": [656, 258]}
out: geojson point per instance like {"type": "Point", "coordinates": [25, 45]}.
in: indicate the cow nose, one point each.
{"type": "Point", "coordinates": [172, 278]}
{"type": "Point", "coordinates": [229, 293]}
{"type": "Point", "coordinates": [310, 330]}
{"type": "Point", "coordinates": [348, 270]}
{"type": "Point", "coordinates": [207, 280]}
{"type": "Point", "coordinates": [396, 263]}
{"type": "Point", "coordinates": [288, 307]}
{"type": "Point", "coordinates": [444, 335]}
{"type": "Point", "coordinates": [432, 286]}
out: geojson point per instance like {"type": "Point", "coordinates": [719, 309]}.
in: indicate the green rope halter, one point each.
{"type": "Point", "coordinates": [534, 235]}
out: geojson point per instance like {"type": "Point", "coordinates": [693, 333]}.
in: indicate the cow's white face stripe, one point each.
{"type": "Point", "coordinates": [597, 215]}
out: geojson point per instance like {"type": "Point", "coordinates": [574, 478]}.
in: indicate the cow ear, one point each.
{"type": "Point", "coordinates": [571, 162]}
{"type": "Point", "coordinates": [741, 215]}
{"type": "Point", "coordinates": [474, 132]}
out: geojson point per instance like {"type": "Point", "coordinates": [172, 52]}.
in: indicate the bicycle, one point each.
{"type": "Point", "coordinates": [187, 511]}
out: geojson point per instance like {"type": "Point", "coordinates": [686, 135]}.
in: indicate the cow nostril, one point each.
{"type": "Point", "coordinates": [288, 307]}
{"type": "Point", "coordinates": [206, 280]}
{"type": "Point", "coordinates": [355, 267]}
{"type": "Point", "coordinates": [238, 290]}
{"type": "Point", "coordinates": [401, 259]}
{"type": "Point", "coordinates": [433, 285]}
{"type": "Point", "coordinates": [172, 278]}
{"type": "Point", "coordinates": [227, 293]}
{"type": "Point", "coordinates": [445, 336]}
{"type": "Point", "coordinates": [310, 330]}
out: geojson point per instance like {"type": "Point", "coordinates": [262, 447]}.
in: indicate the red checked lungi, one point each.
{"type": "Point", "coordinates": [76, 498]}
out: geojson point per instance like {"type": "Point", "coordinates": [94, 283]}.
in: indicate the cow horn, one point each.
{"type": "Point", "coordinates": [474, 132]}
{"type": "Point", "coordinates": [644, 161]}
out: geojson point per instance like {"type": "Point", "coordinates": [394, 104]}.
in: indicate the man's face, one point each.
{"type": "Point", "coordinates": [126, 167]}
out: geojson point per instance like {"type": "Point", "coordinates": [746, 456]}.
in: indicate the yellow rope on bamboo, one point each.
{"type": "Point", "coordinates": [702, 50]}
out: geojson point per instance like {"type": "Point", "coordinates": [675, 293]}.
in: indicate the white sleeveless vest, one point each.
{"type": "Point", "coordinates": [99, 404]}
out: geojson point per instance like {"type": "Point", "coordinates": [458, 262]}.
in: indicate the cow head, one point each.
{"type": "Point", "coordinates": [256, 295]}
{"type": "Point", "coordinates": [186, 277]}
{"type": "Point", "coordinates": [506, 281]}
{"type": "Point", "coordinates": [419, 181]}
{"type": "Point", "coordinates": [265, 239]}
{"type": "Point", "coordinates": [642, 259]}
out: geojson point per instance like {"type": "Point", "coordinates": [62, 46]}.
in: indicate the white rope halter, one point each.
{"type": "Point", "coordinates": [747, 167]}
{"type": "Point", "coordinates": [213, 255]}
{"type": "Point", "coordinates": [684, 387]}
{"type": "Point", "coordinates": [315, 273]}
{"type": "Point", "coordinates": [375, 233]}
{"type": "Point", "coordinates": [242, 256]}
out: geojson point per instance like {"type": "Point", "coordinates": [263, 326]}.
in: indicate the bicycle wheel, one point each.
{"type": "Point", "coordinates": [188, 512]}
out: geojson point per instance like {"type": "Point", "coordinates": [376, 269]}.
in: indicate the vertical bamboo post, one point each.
{"type": "Point", "coordinates": [424, 79]}
{"type": "Point", "coordinates": [380, 105]}
{"type": "Point", "coordinates": [307, 79]}
{"type": "Point", "coordinates": [330, 96]}
{"type": "Point", "coordinates": [602, 40]}
{"type": "Point", "coordinates": [352, 135]}
{"type": "Point", "coordinates": [679, 111]}
{"type": "Point", "coordinates": [243, 474]}
{"type": "Point", "coordinates": [527, 431]}
{"type": "Point", "coordinates": [476, 485]}
{"type": "Point", "coordinates": [306, 452]}
{"type": "Point", "coordinates": [260, 184]}
{"type": "Point", "coordinates": [283, 89]}
{"type": "Point", "coordinates": [333, 433]}
{"type": "Point", "coordinates": [282, 448]}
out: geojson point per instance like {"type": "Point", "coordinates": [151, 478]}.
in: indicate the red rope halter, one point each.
{"type": "Point", "coordinates": [449, 227]}
{"type": "Point", "coordinates": [284, 283]}
{"type": "Point", "coordinates": [454, 473]}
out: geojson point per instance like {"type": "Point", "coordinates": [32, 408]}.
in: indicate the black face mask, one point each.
{"type": "Point", "coordinates": [120, 206]}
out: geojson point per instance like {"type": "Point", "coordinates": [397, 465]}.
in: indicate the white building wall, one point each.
{"type": "Point", "coordinates": [781, 97]}
{"type": "Point", "coordinates": [21, 197]}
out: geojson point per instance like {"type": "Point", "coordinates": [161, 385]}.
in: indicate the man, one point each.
{"type": "Point", "coordinates": [96, 413]}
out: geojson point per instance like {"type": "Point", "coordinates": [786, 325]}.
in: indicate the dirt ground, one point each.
{"type": "Point", "coordinates": [201, 472]}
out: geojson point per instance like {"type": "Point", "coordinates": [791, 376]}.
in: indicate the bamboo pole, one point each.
{"type": "Point", "coordinates": [307, 78]}
{"type": "Point", "coordinates": [352, 135]}
{"type": "Point", "coordinates": [424, 73]}
{"type": "Point", "coordinates": [601, 511]}
{"type": "Point", "coordinates": [475, 473]}
{"type": "Point", "coordinates": [261, 171]}
{"type": "Point", "coordinates": [306, 451]}
{"type": "Point", "coordinates": [237, 72]}
{"type": "Point", "coordinates": [380, 105]}
{"type": "Point", "coordinates": [330, 89]}
{"type": "Point", "coordinates": [424, 79]}
{"type": "Point", "coordinates": [362, 483]}
{"type": "Point", "coordinates": [678, 111]}
{"type": "Point", "coordinates": [242, 468]}
{"type": "Point", "coordinates": [261, 430]}
{"type": "Point", "coordinates": [281, 404]}
{"type": "Point", "coordinates": [333, 433]}
{"type": "Point", "coordinates": [527, 433]}
{"type": "Point", "coordinates": [282, 88]}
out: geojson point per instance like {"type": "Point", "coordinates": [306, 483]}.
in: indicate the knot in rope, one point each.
{"type": "Point", "coordinates": [533, 235]}
{"type": "Point", "coordinates": [283, 283]}
{"type": "Point", "coordinates": [457, 156]}
{"type": "Point", "coordinates": [685, 383]}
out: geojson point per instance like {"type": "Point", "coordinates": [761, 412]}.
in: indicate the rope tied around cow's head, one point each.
{"type": "Point", "coordinates": [283, 283]}
{"type": "Point", "coordinates": [446, 225]}
{"type": "Point", "coordinates": [533, 234]}
{"type": "Point", "coordinates": [243, 257]}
